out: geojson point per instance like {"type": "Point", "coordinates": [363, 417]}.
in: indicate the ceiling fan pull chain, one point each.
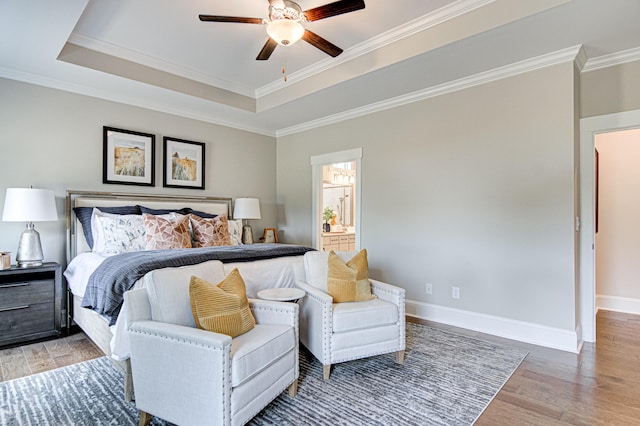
{"type": "Point", "coordinates": [284, 75]}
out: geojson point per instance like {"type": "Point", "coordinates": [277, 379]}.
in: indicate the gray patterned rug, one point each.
{"type": "Point", "coordinates": [447, 379]}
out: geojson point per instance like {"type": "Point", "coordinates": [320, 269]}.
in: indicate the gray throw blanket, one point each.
{"type": "Point", "coordinates": [117, 274]}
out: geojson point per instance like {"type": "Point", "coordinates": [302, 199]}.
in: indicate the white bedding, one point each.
{"type": "Point", "coordinates": [257, 275]}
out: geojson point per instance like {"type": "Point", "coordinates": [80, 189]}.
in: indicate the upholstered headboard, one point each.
{"type": "Point", "coordinates": [75, 238]}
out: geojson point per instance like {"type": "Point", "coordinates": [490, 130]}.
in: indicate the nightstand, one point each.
{"type": "Point", "coordinates": [31, 303]}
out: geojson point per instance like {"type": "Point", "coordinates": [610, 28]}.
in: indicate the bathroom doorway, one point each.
{"type": "Point", "coordinates": [336, 200]}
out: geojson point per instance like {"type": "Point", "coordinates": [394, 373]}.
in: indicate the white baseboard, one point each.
{"type": "Point", "coordinates": [618, 304]}
{"type": "Point", "coordinates": [536, 334]}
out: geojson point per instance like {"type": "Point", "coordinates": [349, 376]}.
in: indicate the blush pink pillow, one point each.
{"type": "Point", "coordinates": [171, 233]}
{"type": "Point", "coordinates": [210, 232]}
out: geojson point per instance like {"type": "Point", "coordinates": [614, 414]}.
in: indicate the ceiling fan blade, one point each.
{"type": "Point", "coordinates": [322, 44]}
{"type": "Point", "coordinates": [267, 50]}
{"type": "Point", "coordinates": [333, 9]}
{"type": "Point", "coordinates": [236, 19]}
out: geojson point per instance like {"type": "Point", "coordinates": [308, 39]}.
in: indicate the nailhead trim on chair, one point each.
{"type": "Point", "coordinates": [191, 342]}
{"type": "Point", "coordinates": [225, 366]}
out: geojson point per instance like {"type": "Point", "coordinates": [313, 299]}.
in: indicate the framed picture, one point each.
{"type": "Point", "coordinates": [183, 164]}
{"type": "Point", "coordinates": [128, 157]}
{"type": "Point", "coordinates": [270, 235]}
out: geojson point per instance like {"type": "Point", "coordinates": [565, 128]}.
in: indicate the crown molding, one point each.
{"type": "Point", "coordinates": [613, 59]}
{"type": "Point", "coordinates": [156, 63]}
{"type": "Point", "coordinates": [543, 61]}
{"type": "Point", "coordinates": [38, 80]}
{"type": "Point", "coordinates": [398, 33]}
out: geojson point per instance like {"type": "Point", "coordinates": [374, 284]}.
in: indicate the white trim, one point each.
{"type": "Point", "coordinates": [157, 63]}
{"type": "Point", "coordinates": [613, 59]}
{"type": "Point", "coordinates": [589, 128]}
{"type": "Point", "coordinates": [137, 101]}
{"type": "Point", "coordinates": [543, 61]}
{"type": "Point", "coordinates": [419, 24]}
{"type": "Point", "coordinates": [337, 157]}
{"type": "Point", "coordinates": [619, 304]}
{"type": "Point", "coordinates": [527, 332]}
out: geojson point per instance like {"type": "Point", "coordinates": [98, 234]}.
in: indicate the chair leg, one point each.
{"type": "Point", "coordinates": [293, 389]}
{"type": "Point", "coordinates": [326, 371]}
{"type": "Point", "coordinates": [145, 418]}
{"type": "Point", "coordinates": [400, 357]}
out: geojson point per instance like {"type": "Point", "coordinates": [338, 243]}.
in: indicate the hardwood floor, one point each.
{"type": "Point", "coordinates": [599, 386]}
{"type": "Point", "coordinates": [42, 356]}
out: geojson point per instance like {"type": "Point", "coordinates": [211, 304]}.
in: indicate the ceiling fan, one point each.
{"type": "Point", "coordinates": [284, 25]}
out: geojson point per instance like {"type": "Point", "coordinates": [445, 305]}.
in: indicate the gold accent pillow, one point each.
{"type": "Point", "coordinates": [222, 308]}
{"type": "Point", "coordinates": [349, 282]}
{"type": "Point", "coordinates": [164, 233]}
{"type": "Point", "coordinates": [210, 232]}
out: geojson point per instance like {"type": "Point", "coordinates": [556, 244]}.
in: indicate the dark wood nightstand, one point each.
{"type": "Point", "coordinates": [31, 303]}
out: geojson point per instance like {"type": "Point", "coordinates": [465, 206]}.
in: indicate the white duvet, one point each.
{"type": "Point", "coordinates": [257, 275]}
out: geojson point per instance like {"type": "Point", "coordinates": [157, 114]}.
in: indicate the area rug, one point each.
{"type": "Point", "coordinates": [447, 379]}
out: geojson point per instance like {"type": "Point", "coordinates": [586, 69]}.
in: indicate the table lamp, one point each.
{"type": "Point", "coordinates": [29, 205]}
{"type": "Point", "coordinates": [246, 208]}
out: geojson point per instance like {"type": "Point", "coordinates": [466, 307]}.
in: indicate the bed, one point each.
{"type": "Point", "coordinates": [96, 281]}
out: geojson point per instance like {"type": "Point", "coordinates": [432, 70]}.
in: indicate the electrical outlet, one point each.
{"type": "Point", "coordinates": [428, 288]}
{"type": "Point", "coordinates": [455, 292]}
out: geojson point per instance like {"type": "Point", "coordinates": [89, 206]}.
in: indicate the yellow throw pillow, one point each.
{"type": "Point", "coordinates": [221, 308]}
{"type": "Point", "coordinates": [349, 282]}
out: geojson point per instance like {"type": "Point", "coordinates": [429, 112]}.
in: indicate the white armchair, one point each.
{"type": "Point", "coordinates": [190, 376]}
{"type": "Point", "coordinates": [339, 332]}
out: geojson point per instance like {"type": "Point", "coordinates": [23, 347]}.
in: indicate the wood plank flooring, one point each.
{"type": "Point", "coordinates": [42, 356]}
{"type": "Point", "coordinates": [599, 386]}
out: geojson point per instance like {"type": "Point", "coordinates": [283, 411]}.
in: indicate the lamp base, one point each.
{"type": "Point", "coordinates": [29, 252]}
{"type": "Point", "coordinates": [247, 234]}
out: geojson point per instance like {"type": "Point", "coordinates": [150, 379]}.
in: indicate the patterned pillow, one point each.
{"type": "Point", "coordinates": [235, 231]}
{"type": "Point", "coordinates": [210, 232]}
{"type": "Point", "coordinates": [84, 215]}
{"type": "Point", "coordinates": [222, 308]}
{"type": "Point", "coordinates": [171, 232]}
{"type": "Point", "coordinates": [349, 282]}
{"type": "Point", "coordinates": [114, 233]}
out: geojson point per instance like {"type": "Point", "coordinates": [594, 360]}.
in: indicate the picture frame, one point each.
{"type": "Point", "coordinates": [270, 235]}
{"type": "Point", "coordinates": [128, 157]}
{"type": "Point", "coordinates": [183, 163]}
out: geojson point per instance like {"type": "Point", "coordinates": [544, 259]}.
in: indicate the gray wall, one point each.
{"type": "Point", "coordinates": [473, 189]}
{"type": "Point", "coordinates": [53, 139]}
{"type": "Point", "coordinates": [610, 90]}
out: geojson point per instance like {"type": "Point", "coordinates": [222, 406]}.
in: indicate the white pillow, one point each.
{"type": "Point", "coordinates": [235, 231]}
{"type": "Point", "coordinates": [114, 233]}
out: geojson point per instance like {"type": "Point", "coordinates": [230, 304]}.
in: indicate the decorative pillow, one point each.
{"type": "Point", "coordinates": [114, 233]}
{"type": "Point", "coordinates": [349, 282]}
{"type": "Point", "coordinates": [222, 308]}
{"type": "Point", "coordinates": [83, 214]}
{"type": "Point", "coordinates": [235, 231]}
{"type": "Point", "coordinates": [210, 232]}
{"type": "Point", "coordinates": [184, 211]}
{"type": "Point", "coordinates": [166, 233]}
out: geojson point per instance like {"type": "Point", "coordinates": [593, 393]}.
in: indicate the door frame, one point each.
{"type": "Point", "coordinates": [317, 162]}
{"type": "Point", "coordinates": [589, 129]}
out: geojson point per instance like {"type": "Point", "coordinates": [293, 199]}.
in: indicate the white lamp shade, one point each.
{"type": "Point", "coordinates": [285, 31]}
{"type": "Point", "coordinates": [29, 205]}
{"type": "Point", "coordinates": [246, 208]}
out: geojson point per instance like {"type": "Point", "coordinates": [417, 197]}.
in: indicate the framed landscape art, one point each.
{"type": "Point", "coordinates": [183, 163]}
{"type": "Point", "coordinates": [128, 157]}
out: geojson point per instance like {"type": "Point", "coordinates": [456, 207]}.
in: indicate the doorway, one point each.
{"type": "Point", "coordinates": [336, 180]}
{"type": "Point", "coordinates": [589, 129]}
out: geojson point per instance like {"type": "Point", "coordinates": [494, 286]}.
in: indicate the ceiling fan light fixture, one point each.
{"type": "Point", "coordinates": [285, 31]}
